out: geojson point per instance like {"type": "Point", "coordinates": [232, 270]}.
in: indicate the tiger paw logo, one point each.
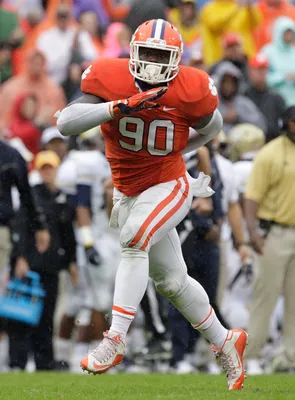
{"type": "Point", "coordinates": [212, 87]}
{"type": "Point", "coordinates": [86, 72]}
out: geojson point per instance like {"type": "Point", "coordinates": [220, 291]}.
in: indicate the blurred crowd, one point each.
{"type": "Point", "coordinates": [239, 244]}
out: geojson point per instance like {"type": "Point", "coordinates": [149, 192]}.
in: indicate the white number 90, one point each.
{"type": "Point", "coordinates": [138, 133]}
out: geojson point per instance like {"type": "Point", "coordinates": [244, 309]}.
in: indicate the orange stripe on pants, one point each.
{"type": "Point", "coordinates": [155, 213]}
{"type": "Point", "coordinates": [167, 216]}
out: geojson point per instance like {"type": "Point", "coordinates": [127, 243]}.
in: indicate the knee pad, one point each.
{"type": "Point", "coordinates": [130, 252]}
{"type": "Point", "coordinates": [170, 286]}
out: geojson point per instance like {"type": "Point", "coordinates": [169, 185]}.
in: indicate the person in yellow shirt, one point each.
{"type": "Point", "coordinates": [185, 18]}
{"type": "Point", "coordinates": [223, 16]}
{"type": "Point", "coordinates": [270, 199]}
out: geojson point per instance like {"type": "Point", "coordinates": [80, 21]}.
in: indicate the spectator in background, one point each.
{"type": "Point", "coordinates": [59, 42]}
{"type": "Point", "coordinates": [185, 19]}
{"type": "Point", "coordinates": [222, 16]}
{"type": "Point", "coordinates": [233, 52]}
{"type": "Point", "coordinates": [197, 60]}
{"type": "Point", "coordinates": [32, 26]}
{"type": "Point", "coordinates": [71, 85]}
{"type": "Point", "coordinates": [232, 232]}
{"type": "Point", "coordinates": [201, 3]}
{"type": "Point", "coordinates": [11, 37]}
{"type": "Point", "coordinates": [27, 123]}
{"type": "Point", "coordinates": [271, 10]}
{"type": "Point", "coordinates": [119, 10]}
{"type": "Point", "coordinates": [270, 216]}
{"type": "Point", "coordinates": [5, 62]}
{"type": "Point", "coordinates": [90, 23]}
{"type": "Point", "coordinates": [140, 11]}
{"type": "Point", "coordinates": [245, 142]}
{"type": "Point", "coordinates": [13, 172]}
{"type": "Point", "coordinates": [54, 141]}
{"type": "Point", "coordinates": [95, 7]}
{"type": "Point", "coordinates": [32, 20]}
{"type": "Point", "coordinates": [61, 254]}
{"type": "Point", "coordinates": [23, 7]}
{"type": "Point", "coordinates": [35, 80]}
{"type": "Point", "coordinates": [234, 107]}
{"type": "Point", "coordinates": [281, 56]}
{"type": "Point", "coordinates": [270, 104]}
{"type": "Point", "coordinates": [117, 40]}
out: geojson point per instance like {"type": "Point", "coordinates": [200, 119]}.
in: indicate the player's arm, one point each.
{"type": "Point", "coordinates": [84, 215]}
{"type": "Point", "coordinates": [204, 160]}
{"type": "Point", "coordinates": [203, 206]}
{"type": "Point", "coordinates": [83, 211]}
{"type": "Point", "coordinates": [204, 130]}
{"type": "Point", "coordinates": [89, 110]}
{"type": "Point", "coordinates": [84, 223]}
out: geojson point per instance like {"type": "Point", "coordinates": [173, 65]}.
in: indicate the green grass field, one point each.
{"type": "Point", "coordinates": [52, 386]}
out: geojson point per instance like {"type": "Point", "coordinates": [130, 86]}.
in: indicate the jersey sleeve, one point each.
{"type": "Point", "coordinates": [93, 78]}
{"type": "Point", "coordinates": [206, 98]}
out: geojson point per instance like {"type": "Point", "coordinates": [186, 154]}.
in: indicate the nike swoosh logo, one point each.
{"type": "Point", "coordinates": [168, 109]}
{"type": "Point", "coordinates": [97, 366]}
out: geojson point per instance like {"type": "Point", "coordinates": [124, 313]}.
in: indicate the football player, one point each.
{"type": "Point", "coordinates": [245, 142]}
{"type": "Point", "coordinates": [146, 106]}
{"type": "Point", "coordinates": [101, 242]}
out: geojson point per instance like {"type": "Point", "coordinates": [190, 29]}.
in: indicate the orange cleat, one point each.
{"type": "Point", "coordinates": [230, 356]}
{"type": "Point", "coordinates": [109, 353]}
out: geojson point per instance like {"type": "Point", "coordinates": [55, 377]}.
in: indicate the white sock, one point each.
{"type": "Point", "coordinates": [131, 284]}
{"type": "Point", "coordinates": [193, 303]}
{"type": "Point", "coordinates": [212, 329]}
{"type": "Point", "coordinates": [62, 349]}
{"type": "Point", "coordinates": [3, 351]}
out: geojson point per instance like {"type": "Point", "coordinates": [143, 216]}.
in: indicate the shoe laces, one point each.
{"type": "Point", "coordinates": [226, 362]}
{"type": "Point", "coordinates": [107, 348]}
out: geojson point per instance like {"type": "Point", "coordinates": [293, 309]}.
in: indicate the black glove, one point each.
{"type": "Point", "coordinates": [93, 256]}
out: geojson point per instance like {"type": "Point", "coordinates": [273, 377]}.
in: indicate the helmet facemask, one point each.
{"type": "Point", "coordinates": [154, 72]}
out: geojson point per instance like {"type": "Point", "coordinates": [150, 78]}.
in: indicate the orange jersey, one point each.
{"type": "Point", "coordinates": [145, 148]}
